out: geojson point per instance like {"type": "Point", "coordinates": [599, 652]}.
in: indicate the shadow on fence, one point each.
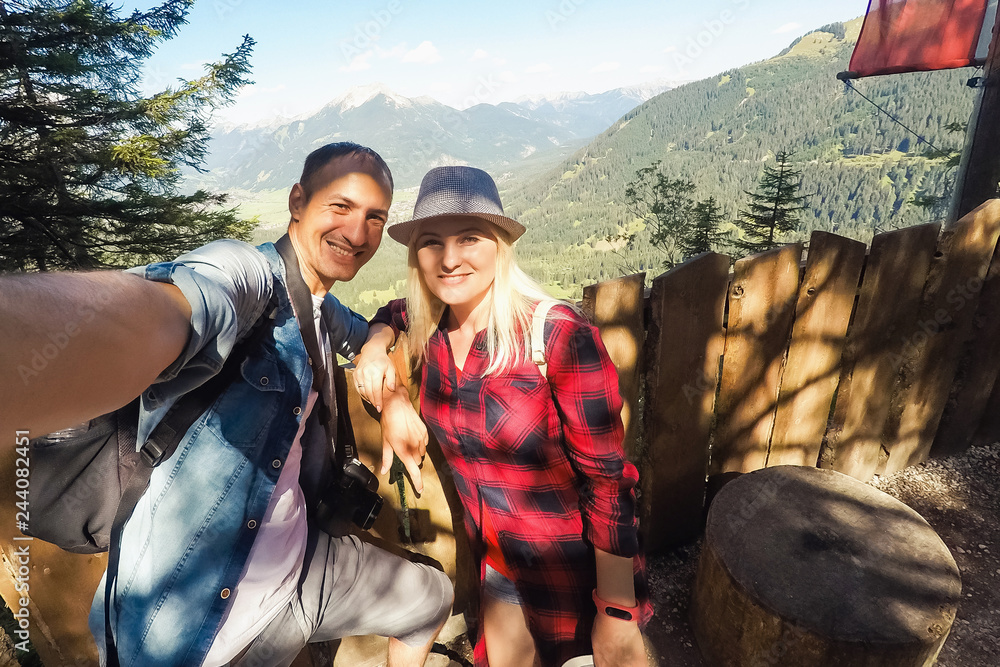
{"type": "Point", "coordinates": [864, 363]}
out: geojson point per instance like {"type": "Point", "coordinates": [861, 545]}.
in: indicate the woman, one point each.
{"type": "Point", "coordinates": [538, 461]}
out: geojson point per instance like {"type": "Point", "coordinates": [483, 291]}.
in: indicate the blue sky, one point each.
{"type": "Point", "coordinates": [308, 52]}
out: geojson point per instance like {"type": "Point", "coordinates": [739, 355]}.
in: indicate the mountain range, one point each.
{"type": "Point", "coordinates": [415, 134]}
{"type": "Point", "coordinates": [861, 171]}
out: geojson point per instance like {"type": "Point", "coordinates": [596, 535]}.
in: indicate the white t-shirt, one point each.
{"type": "Point", "coordinates": [271, 576]}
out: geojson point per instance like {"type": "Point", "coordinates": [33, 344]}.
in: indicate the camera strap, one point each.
{"type": "Point", "coordinates": [302, 304]}
{"type": "Point", "coordinates": [328, 378]}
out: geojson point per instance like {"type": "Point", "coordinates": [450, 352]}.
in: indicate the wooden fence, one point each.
{"type": "Point", "coordinates": [861, 362]}
{"type": "Point", "coordinates": [865, 363]}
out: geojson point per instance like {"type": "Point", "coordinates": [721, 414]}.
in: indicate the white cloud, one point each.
{"type": "Point", "coordinates": [397, 51]}
{"type": "Point", "coordinates": [499, 62]}
{"type": "Point", "coordinates": [508, 77]}
{"type": "Point", "coordinates": [538, 68]}
{"type": "Point", "coordinates": [479, 54]}
{"type": "Point", "coordinates": [606, 67]}
{"type": "Point", "coordinates": [788, 27]}
{"type": "Point", "coordinates": [650, 69]}
{"type": "Point", "coordinates": [359, 63]}
{"type": "Point", "coordinates": [670, 49]}
{"type": "Point", "coordinates": [425, 53]}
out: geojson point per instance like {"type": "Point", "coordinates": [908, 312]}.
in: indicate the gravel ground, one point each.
{"type": "Point", "coordinates": [959, 497]}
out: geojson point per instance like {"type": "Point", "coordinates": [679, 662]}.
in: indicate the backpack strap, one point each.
{"type": "Point", "coordinates": [160, 446]}
{"type": "Point", "coordinates": [538, 334]}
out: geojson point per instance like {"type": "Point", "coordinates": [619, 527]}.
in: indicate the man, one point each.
{"type": "Point", "coordinates": [219, 563]}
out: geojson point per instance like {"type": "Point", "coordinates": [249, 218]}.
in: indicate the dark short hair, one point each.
{"type": "Point", "coordinates": [323, 155]}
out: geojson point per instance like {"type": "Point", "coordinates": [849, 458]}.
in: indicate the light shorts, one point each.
{"type": "Point", "coordinates": [500, 587]}
{"type": "Point", "coordinates": [351, 588]}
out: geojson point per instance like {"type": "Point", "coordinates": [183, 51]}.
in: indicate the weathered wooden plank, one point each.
{"type": "Point", "coordinates": [935, 344]}
{"type": "Point", "coordinates": [812, 369]}
{"type": "Point", "coordinates": [761, 308]}
{"type": "Point", "coordinates": [616, 308]}
{"type": "Point", "coordinates": [684, 343]}
{"type": "Point", "coordinates": [977, 371]}
{"type": "Point", "coordinates": [887, 305]}
{"type": "Point", "coordinates": [988, 430]}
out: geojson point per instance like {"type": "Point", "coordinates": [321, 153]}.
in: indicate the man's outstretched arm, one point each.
{"type": "Point", "coordinates": [77, 345]}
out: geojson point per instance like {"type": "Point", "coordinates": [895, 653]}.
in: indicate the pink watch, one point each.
{"type": "Point", "coordinates": [616, 610]}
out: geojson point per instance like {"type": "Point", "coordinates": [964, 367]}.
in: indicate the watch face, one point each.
{"type": "Point", "coordinates": [618, 613]}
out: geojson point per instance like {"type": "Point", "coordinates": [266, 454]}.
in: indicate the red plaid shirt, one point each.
{"type": "Point", "coordinates": [545, 460]}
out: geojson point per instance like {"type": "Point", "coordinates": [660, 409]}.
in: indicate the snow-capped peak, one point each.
{"type": "Point", "coordinates": [359, 95]}
{"type": "Point", "coordinates": [640, 93]}
{"type": "Point", "coordinates": [649, 89]}
{"type": "Point", "coordinates": [535, 101]}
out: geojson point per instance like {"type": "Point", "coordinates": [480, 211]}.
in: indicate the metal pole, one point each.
{"type": "Point", "coordinates": [979, 171]}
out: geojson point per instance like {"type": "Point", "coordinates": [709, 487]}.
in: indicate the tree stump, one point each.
{"type": "Point", "coordinates": [803, 566]}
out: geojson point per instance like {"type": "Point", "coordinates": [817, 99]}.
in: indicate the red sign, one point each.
{"type": "Point", "coordinates": [920, 35]}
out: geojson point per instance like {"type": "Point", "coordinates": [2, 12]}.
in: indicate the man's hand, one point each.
{"type": "Point", "coordinates": [373, 368]}
{"type": "Point", "coordinates": [403, 433]}
{"type": "Point", "coordinates": [617, 643]}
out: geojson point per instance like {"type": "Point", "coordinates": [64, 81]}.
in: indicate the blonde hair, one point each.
{"type": "Point", "coordinates": [511, 303]}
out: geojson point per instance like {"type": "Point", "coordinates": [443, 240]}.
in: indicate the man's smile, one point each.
{"type": "Point", "coordinates": [339, 250]}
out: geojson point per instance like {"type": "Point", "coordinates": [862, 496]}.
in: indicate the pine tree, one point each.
{"type": "Point", "coordinates": [703, 234]}
{"type": "Point", "coordinates": [89, 168]}
{"type": "Point", "coordinates": [774, 209]}
{"type": "Point", "coordinates": [665, 205]}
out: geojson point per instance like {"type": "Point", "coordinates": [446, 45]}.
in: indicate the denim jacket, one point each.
{"type": "Point", "coordinates": [188, 540]}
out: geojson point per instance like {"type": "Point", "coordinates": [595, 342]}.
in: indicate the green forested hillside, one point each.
{"type": "Point", "coordinates": [860, 169]}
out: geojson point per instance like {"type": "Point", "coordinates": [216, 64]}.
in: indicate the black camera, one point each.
{"type": "Point", "coordinates": [351, 497]}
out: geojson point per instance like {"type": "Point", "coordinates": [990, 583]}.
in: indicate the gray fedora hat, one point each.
{"type": "Point", "coordinates": [449, 192]}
